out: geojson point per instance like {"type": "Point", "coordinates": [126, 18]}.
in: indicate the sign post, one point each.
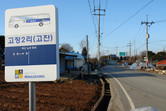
{"type": "Point", "coordinates": [32, 96]}
{"type": "Point", "coordinates": [31, 46]}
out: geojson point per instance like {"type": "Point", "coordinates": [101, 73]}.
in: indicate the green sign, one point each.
{"type": "Point", "coordinates": [122, 53]}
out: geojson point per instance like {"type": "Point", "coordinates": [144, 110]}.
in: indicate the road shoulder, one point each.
{"type": "Point", "coordinates": [115, 103]}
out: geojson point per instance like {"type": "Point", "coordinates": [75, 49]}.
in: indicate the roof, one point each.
{"type": "Point", "coordinates": [77, 55]}
{"type": "Point", "coordinates": [163, 62]}
{"type": "Point", "coordinates": [64, 54]}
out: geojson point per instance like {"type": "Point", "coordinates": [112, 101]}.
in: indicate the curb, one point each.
{"type": "Point", "coordinates": [115, 103]}
{"type": "Point", "coordinates": [103, 103]}
{"type": "Point", "coordinates": [96, 106]}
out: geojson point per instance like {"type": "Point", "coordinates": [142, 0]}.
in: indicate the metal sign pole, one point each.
{"type": "Point", "coordinates": [32, 96]}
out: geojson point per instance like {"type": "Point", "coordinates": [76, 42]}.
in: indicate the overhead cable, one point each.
{"type": "Point", "coordinates": [160, 21]}
{"type": "Point", "coordinates": [128, 19]}
{"type": "Point", "coordinates": [92, 16]}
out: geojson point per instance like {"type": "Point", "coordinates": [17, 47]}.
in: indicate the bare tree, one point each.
{"type": "Point", "coordinates": [66, 47]}
{"type": "Point", "coordinates": [82, 44]}
{"type": "Point", "coordinates": [84, 51]}
{"type": "Point", "coordinates": [143, 54]}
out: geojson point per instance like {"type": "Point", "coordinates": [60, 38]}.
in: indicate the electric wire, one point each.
{"type": "Point", "coordinates": [94, 4]}
{"type": "Point", "coordinates": [141, 36]}
{"type": "Point", "coordinates": [103, 21]}
{"type": "Point", "coordinates": [151, 42]}
{"type": "Point", "coordinates": [113, 47]}
{"type": "Point", "coordinates": [157, 41]}
{"type": "Point", "coordinates": [138, 32]}
{"type": "Point", "coordinates": [160, 21]}
{"type": "Point", "coordinates": [92, 17]}
{"type": "Point", "coordinates": [106, 4]}
{"type": "Point", "coordinates": [128, 19]}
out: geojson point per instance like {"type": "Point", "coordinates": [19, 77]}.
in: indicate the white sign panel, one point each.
{"type": "Point", "coordinates": [31, 44]}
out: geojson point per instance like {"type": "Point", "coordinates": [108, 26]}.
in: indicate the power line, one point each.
{"type": "Point", "coordinates": [93, 42]}
{"type": "Point", "coordinates": [141, 36]}
{"type": "Point", "coordinates": [151, 42]}
{"type": "Point", "coordinates": [106, 5]}
{"type": "Point", "coordinates": [160, 21]}
{"type": "Point", "coordinates": [94, 4]}
{"type": "Point", "coordinates": [103, 21]}
{"type": "Point", "coordinates": [137, 32]}
{"type": "Point", "coordinates": [92, 17]}
{"type": "Point", "coordinates": [113, 47]}
{"type": "Point", "coordinates": [142, 45]}
{"type": "Point", "coordinates": [141, 40]}
{"type": "Point", "coordinates": [128, 19]}
{"type": "Point", "coordinates": [157, 41]}
{"type": "Point", "coordinates": [107, 47]}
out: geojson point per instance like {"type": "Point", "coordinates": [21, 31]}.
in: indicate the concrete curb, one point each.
{"type": "Point", "coordinates": [103, 102]}
{"type": "Point", "coordinates": [115, 103]}
{"type": "Point", "coordinates": [101, 97]}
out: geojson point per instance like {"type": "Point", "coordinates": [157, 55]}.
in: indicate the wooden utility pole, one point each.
{"type": "Point", "coordinates": [87, 56]}
{"type": "Point", "coordinates": [147, 37]}
{"type": "Point", "coordinates": [134, 52]}
{"type": "Point", "coordinates": [129, 50]}
{"type": "Point", "coordinates": [134, 47]}
{"type": "Point", "coordinates": [116, 48]}
{"type": "Point", "coordinates": [99, 14]}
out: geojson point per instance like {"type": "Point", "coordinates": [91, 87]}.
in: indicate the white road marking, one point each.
{"type": "Point", "coordinates": [125, 92]}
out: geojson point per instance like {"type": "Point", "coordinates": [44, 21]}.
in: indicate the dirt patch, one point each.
{"type": "Point", "coordinates": [72, 95]}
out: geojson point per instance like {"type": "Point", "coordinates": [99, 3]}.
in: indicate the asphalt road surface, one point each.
{"type": "Point", "coordinates": [137, 88]}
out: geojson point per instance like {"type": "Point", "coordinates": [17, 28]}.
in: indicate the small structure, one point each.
{"type": "Point", "coordinates": [78, 61]}
{"type": "Point", "coordinates": [161, 63]}
{"type": "Point", "coordinates": [72, 61]}
{"type": "Point", "coordinates": [64, 62]}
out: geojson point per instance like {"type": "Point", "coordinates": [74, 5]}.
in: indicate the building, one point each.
{"type": "Point", "coordinates": [78, 60]}
{"type": "Point", "coordinates": [63, 61]}
{"type": "Point", "coordinates": [161, 63]}
{"type": "Point", "coordinates": [71, 61]}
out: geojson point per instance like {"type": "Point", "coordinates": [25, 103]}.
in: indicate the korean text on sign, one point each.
{"type": "Point", "coordinates": [30, 39]}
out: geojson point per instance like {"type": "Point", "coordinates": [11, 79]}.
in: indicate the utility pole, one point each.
{"type": "Point", "coordinates": [147, 37]}
{"type": "Point", "coordinates": [134, 51]}
{"type": "Point", "coordinates": [134, 47]}
{"type": "Point", "coordinates": [99, 14]}
{"type": "Point", "coordinates": [87, 56]}
{"type": "Point", "coordinates": [129, 51]}
{"type": "Point", "coordinates": [116, 48]}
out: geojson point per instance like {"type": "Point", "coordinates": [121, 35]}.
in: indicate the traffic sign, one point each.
{"type": "Point", "coordinates": [31, 44]}
{"type": "Point", "coordinates": [122, 54]}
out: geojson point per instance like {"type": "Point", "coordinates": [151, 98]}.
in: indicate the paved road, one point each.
{"type": "Point", "coordinates": [136, 88]}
